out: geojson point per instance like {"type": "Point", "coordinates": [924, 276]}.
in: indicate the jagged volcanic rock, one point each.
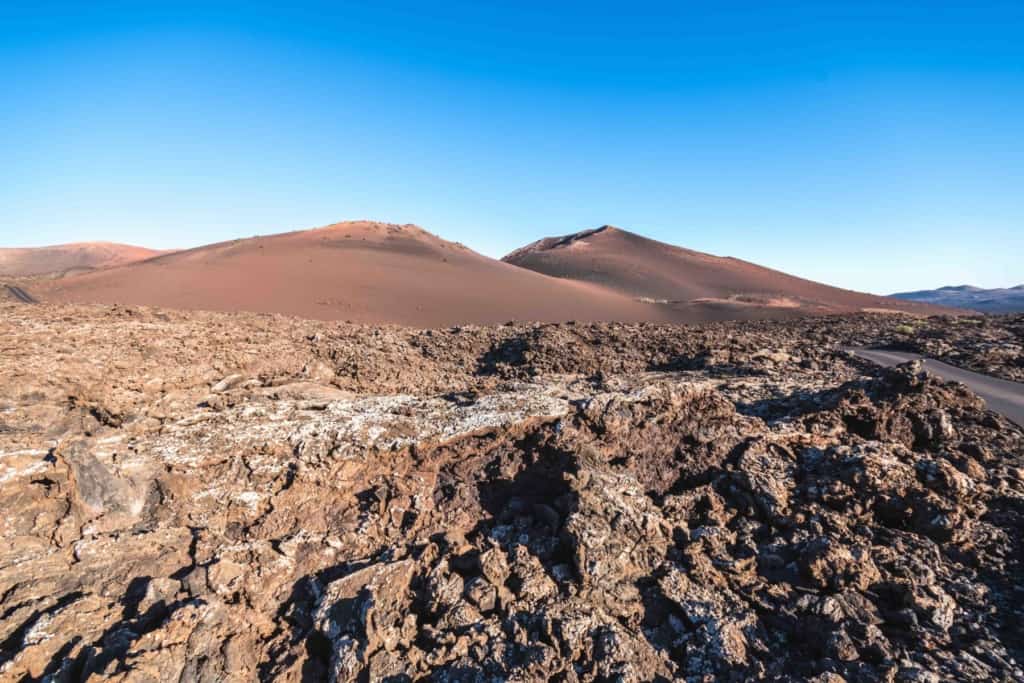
{"type": "Point", "coordinates": [192, 496]}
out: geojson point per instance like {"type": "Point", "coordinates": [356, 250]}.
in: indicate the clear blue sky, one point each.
{"type": "Point", "coordinates": [873, 145]}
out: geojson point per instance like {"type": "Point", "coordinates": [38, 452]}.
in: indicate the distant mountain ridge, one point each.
{"type": "Point", "coordinates": [999, 300]}
{"type": "Point", "coordinates": [363, 271]}
{"type": "Point", "coordinates": [75, 257]}
{"type": "Point", "coordinates": [381, 273]}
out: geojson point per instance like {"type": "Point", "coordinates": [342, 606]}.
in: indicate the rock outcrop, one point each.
{"type": "Point", "coordinates": [231, 497]}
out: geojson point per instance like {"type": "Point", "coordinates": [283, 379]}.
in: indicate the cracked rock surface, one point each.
{"type": "Point", "coordinates": [992, 345]}
{"type": "Point", "coordinates": [211, 497]}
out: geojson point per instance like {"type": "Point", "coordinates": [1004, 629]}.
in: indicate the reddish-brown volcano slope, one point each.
{"type": "Point", "coordinates": [61, 258]}
{"type": "Point", "coordinates": [359, 271]}
{"type": "Point", "coordinates": [684, 279]}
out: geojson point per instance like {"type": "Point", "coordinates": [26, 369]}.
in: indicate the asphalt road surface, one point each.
{"type": "Point", "coordinates": [1002, 396]}
{"type": "Point", "coordinates": [21, 295]}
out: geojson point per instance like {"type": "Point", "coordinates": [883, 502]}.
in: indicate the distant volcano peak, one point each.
{"type": "Point", "coordinates": [649, 270]}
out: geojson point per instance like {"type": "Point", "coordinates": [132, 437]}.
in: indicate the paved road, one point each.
{"type": "Point", "coordinates": [21, 295]}
{"type": "Point", "coordinates": [1002, 396]}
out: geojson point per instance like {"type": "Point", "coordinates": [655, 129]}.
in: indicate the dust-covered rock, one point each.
{"type": "Point", "coordinates": [210, 497]}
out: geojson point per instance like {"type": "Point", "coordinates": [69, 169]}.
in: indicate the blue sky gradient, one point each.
{"type": "Point", "coordinates": [873, 145]}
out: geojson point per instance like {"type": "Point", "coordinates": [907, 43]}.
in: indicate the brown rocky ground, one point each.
{"type": "Point", "coordinates": [992, 345]}
{"type": "Point", "coordinates": [199, 496]}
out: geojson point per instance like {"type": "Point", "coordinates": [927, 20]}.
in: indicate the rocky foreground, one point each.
{"type": "Point", "coordinates": [993, 345]}
{"type": "Point", "coordinates": [208, 497]}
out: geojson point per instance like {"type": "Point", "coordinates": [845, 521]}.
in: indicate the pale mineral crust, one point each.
{"type": "Point", "coordinates": [232, 497]}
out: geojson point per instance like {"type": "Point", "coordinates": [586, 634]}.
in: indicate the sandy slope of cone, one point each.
{"type": "Point", "coordinates": [360, 271]}
{"type": "Point", "coordinates": [685, 279]}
